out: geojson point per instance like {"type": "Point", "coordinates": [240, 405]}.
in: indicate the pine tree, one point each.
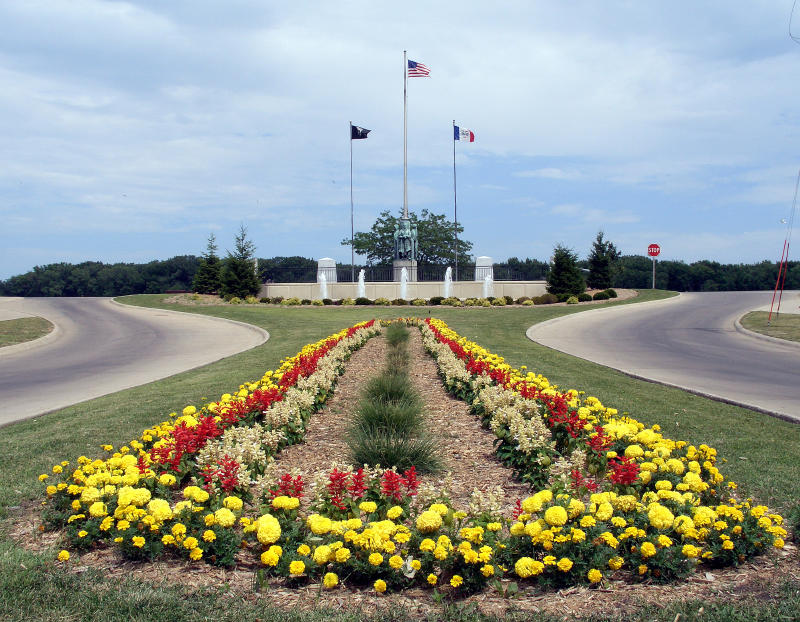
{"type": "Point", "coordinates": [207, 277]}
{"type": "Point", "coordinates": [602, 260]}
{"type": "Point", "coordinates": [565, 276]}
{"type": "Point", "coordinates": [238, 276]}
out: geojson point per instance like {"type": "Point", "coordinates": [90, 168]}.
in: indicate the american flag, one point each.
{"type": "Point", "coordinates": [417, 70]}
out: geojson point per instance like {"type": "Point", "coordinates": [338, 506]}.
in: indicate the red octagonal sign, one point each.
{"type": "Point", "coordinates": [653, 250]}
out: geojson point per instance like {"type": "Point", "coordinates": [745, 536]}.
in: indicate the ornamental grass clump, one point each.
{"type": "Point", "coordinates": [388, 427]}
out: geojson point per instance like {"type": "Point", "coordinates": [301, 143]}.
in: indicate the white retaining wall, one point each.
{"type": "Point", "coordinates": [414, 289]}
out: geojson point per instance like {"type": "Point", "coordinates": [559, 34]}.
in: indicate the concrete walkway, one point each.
{"type": "Point", "coordinates": [100, 347]}
{"type": "Point", "coordinates": [691, 342]}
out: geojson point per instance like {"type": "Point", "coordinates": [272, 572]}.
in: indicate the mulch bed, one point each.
{"type": "Point", "coordinates": [467, 451]}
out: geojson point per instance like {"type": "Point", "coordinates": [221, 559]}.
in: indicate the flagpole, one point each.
{"type": "Point", "coordinates": [352, 246]}
{"type": "Point", "coordinates": [455, 201]}
{"type": "Point", "coordinates": [405, 136]}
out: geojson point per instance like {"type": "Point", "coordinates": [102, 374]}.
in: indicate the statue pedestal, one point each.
{"type": "Point", "coordinates": [409, 264]}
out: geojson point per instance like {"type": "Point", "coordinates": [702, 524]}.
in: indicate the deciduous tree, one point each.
{"type": "Point", "coordinates": [435, 240]}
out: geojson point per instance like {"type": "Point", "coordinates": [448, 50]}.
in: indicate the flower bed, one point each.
{"type": "Point", "coordinates": [611, 495]}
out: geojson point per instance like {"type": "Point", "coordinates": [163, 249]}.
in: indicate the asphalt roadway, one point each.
{"type": "Point", "coordinates": [100, 347]}
{"type": "Point", "coordinates": [692, 341]}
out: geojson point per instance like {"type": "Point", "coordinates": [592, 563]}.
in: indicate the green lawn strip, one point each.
{"type": "Point", "coordinates": [760, 451]}
{"type": "Point", "coordinates": [782, 326]}
{"type": "Point", "coordinates": [20, 330]}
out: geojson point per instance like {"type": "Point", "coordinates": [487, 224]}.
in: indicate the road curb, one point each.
{"type": "Point", "coordinates": [252, 327]}
{"type": "Point", "coordinates": [529, 332]}
{"type": "Point", "coordinates": [33, 343]}
{"type": "Point", "coordinates": [751, 333]}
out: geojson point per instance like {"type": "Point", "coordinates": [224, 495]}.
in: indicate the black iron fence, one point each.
{"type": "Point", "coordinates": [466, 272]}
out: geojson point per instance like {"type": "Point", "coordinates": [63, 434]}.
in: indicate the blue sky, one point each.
{"type": "Point", "coordinates": [132, 130]}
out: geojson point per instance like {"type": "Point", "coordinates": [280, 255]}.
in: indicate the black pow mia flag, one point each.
{"type": "Point", "coordinates": [358, 132]}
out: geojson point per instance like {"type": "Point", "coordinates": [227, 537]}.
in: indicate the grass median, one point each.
{"type": "Point", "coordinates": [782, 326]}
{"type": "Point", "coordinates": [760, 450]}
{"type": "Point", "coordinates": [20, 330]}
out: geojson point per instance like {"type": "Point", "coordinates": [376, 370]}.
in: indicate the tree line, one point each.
{"type": "Point", "coordinates": [241, 274]}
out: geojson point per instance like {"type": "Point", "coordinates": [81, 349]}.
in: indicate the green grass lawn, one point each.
{"type": "Point", "coordinates": [782, 326]}
{"type": "Point", "coordinates": [20, 330]}
{"type": "Point", "coordinates": [761, 454]}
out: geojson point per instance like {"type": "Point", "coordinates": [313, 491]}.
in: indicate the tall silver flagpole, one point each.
{"type": "Point", "coordinates": [405, 136]}
{"type": "Point", "coordinates": [352, 246]}
{"type": "Point", "coordinates": [455, 201]}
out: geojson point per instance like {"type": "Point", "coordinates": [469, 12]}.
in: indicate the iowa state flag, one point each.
{"type": "Point", "coordinates": [463, 134]}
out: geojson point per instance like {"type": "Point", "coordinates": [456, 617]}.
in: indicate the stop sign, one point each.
{"type": "Point", "coordinates": [653, 250]}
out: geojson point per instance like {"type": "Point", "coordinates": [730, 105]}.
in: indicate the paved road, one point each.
{"type": "Point", "coordinates": [100, 347]}
{"type": "Point", "coordinates": [691, 342]}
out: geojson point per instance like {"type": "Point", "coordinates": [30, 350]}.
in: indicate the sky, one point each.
{"type": "Point", "coordinates": [133, 130]}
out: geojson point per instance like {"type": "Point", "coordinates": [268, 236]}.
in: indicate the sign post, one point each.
{"type": "Point", "coordinates": [653, 250]}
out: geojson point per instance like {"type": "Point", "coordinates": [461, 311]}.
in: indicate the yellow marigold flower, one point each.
{"type": "Point", "coordinates": [342, 555]}
{"type": "Point", "coordinates": [487, 570]}
{"type": "Point", "coordinates": [303, 549]}
{"type": "Point", "coordinates": [429, 521]}
{"type": "Point", "coordinates": [322, 554]}
{"type": "Point", "coordinates": [138, 541]}
{"type": "Point", "coordinates": [642, 569]}
{"type": "Point", "coordinates": [396, 562]}
{"type": "Point", "coordinates": [178, 530]}
{"type": "Point", "coordinates": [380, 586]}
{"type": "Point", "coordinates": [648, 549]}
{"type": "Point", "coordinates": [98, 509]}
{"type": "Point", "coordinates": [209, 535]}
{"type": "Point", "coordinates": [190, 543]}
{"type": "Point", "coordinates": [427, 545]}
{"type": "Point", "coordinates": [394, 512]}
{"type": "Point", "coordinates": [660, 517]}
{"type": "Point", "coordinates": [517, 529]}
{"type": "Point", "coordinates": [555, 516]}
{"type": "Point", "coordinates": [664, 541]}
{"type": "Point", "coordinates": [564, 564]}
{"type": "Point", "coordinates": [272, 556]}
{"type": "Point", "coordinates": [690, 551]}
{"type": "Point", "coordinates": [330, 580]}
{"type": "Point", "coordinates": [440, 553]}
{"type": "Point", "coordinates": [402, 537]}
{"type": "Point", "coordinates": [297, 568]}
{"type": "Point", "coordinates": [51, 490]}
{"type": "Point", "coordinates": [494, 527]}
{"type": "Point", "coordinates": [268, 530]}
{"type": "Point", "coordinates": [232, 503]}
{"type": "Point", "coordinates": [376, 559]}
{"type": "Point", "coordinates": [368, 507]}
{"type": "Point", "coordinates": [432, 579]}
{"type": "Point", "coordinates": [526, 567]}
{"type": "Point", "coordinates": [63, 556]}
{"type": "Point", "coordinates": [167, 539]}
{"type": "Point", "coordinates": [43, 477]}
{"type": "Point", "coordinates": [76, 505]}
{"type": "Point", "coordinates": [728, 545]}
{"type": "Point", "coordinates": [778, 543]}
{"type": "Point", "coordinates": [167, 479]}
{"type": "Point", "coordinates": [283, 502]}
{"type": "Point", "coordinates": [456, 580]}
{"type": "Point", "coordinates": [319, 525]}
{"type": "Point", "coordinates": [615, 563]}
{"type": "Point", "coordinates": [634, 451]}
{"type": "Point", "coordinates": [196, 554]}
{"type": "Point", "coordinates": [604, 511]}
{"type": "Point", "coordinates": [439, 508]}
{"type": "Point", "coordinates": [594, 576]}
